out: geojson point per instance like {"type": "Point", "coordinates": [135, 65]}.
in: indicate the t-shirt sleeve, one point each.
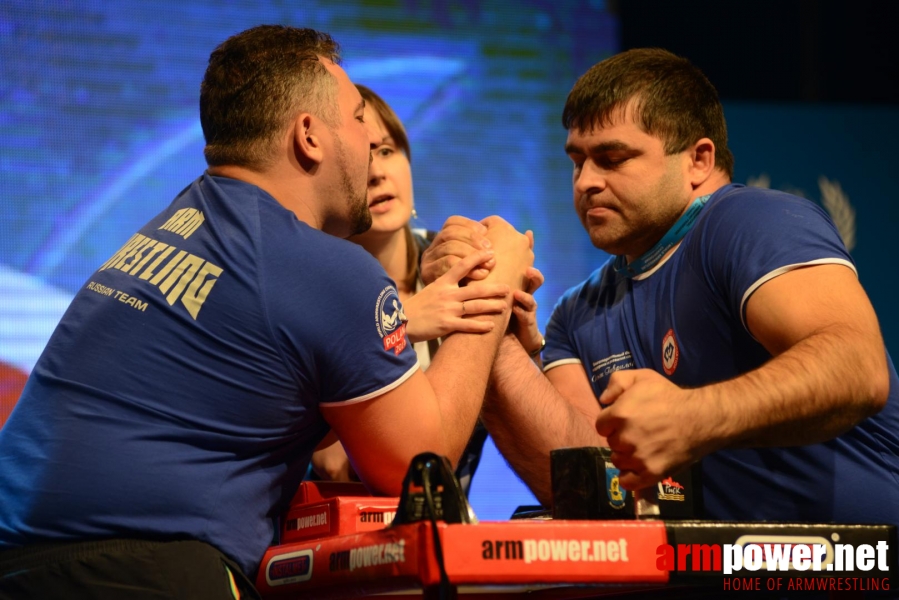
{"type": "Point", "coordinates": [560, 347]}
{"type": "Point", "coordinates": [341, 325]}
{"type": "Point", "coordinates": [752, 236]}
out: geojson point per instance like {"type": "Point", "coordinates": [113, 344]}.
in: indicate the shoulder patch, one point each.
{"type": "Point", "coordinates": [390, 320]}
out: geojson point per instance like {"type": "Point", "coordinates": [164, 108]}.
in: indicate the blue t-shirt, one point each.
{"type": "Point", "coordinates": [179, 395]}
{"type": "Point", "coordinates": [687, 320]}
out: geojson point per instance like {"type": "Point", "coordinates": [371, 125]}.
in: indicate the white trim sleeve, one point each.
{"type": "Point", "coordinates": [786, 269]}
{"type": "Point", "coordinates": [392, 386]}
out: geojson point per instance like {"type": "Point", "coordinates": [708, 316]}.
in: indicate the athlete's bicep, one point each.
{"type": "Point", "coordinates": [383, 434]}
{"type": "Point", "coordinates": [808, 301]}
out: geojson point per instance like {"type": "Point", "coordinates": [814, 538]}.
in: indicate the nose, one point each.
{"type": "Point", "coordinates": [375, 169]}
{"type": "Point", "coordinates": [374, 132]}
{"type": "Point", "coordinates": [589, 180]}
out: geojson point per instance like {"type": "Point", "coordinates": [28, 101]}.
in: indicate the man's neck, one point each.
{"type": "Point", "coordinates": [296, 198]}
{"type": "Point", "coordinates": [708, 187]}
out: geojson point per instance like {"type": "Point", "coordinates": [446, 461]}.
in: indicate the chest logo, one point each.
{"type": "Point", "coordinates": [670, 353]}
{"type": "Point", "coordinates": [390, 320]}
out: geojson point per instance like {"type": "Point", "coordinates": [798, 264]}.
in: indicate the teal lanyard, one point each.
{"type": "Point", "coordinates": [673, 237]}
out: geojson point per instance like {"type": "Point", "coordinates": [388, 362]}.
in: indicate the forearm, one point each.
{"type": "Point", "coordinates": [458, 375]}
{"type": "Point", "coordinates": [527, 418]}
{"type": "Point", "coordinates": [812, 392]}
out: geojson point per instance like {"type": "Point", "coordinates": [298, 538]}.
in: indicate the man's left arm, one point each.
{"type": "Point", "coordinates": [828, 372]}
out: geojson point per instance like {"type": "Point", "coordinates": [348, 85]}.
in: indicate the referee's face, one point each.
{"type": "Point", "coordinates": [627, 191]}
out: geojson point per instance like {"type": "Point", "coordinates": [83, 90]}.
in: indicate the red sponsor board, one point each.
{"type": "Point", "coordinates": [352, 565]}
{"type": "Point", "coordinates": [337, 516]}
{"type": "Point", "coordinates": [501, 553]}
{"type": "Point", "coordinates": [554, 552]}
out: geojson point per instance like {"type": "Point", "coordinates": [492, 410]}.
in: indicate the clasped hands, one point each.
{"type": "Point", "coordinates": [471, 268]}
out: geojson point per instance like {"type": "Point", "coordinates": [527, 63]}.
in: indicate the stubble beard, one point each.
{"type": "Point", "coordinates": [357, 201]}
{"type": "Point", "coordinates": [620, 238]}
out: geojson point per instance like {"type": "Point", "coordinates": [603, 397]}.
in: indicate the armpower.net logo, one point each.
{"type": "Point", "coordinates": [753, 562]}
{"type": "Point", "coordinates": [759, 562]}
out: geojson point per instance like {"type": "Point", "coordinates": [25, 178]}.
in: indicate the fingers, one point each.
{"type": "Point", "coordinates": [631, 481]}
{"type": "Point", "coordinates": [472, 325]}
{"type": "Point", "coordinates": [606, 423]}
{"type": "Point", "coordinates": [482, 272]}
{"type": "Point", "coordinates": [619, 446]}
{"type": "Point", "coordinates": [482, 290]}
{"type": "Point", "coordinates": [636, 476]}
{"type": "Point", "coordinates": [634, 472]}
{"type": "Point", "coordinates": [464, 222]}
{"type": "Point", "coordinates": [525, 319]}
{"type": "Point", "coordinates": [619, 382]}
{"type": "Point", "coordinates": [524, 301]}
{"type": "Point", "coordinates": [534, 279]}
{"type": "Point", "coordinates": [463, 230]}
{"type": "Point", "coordinates": [482, 307]}
{"type": "Point", "coordinates": [462, 269]}
{"type": "Point", "coordinates": [459, 238]}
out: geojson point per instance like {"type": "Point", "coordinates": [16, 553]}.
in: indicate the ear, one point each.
{"type": "Point", "coordinates": [702, 161]}
{"type": "Point", "coordinates": [307, 141]}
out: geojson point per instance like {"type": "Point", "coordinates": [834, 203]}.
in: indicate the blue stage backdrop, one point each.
{"type": "Point", "coordinates": [98, 112]}
{"type": "Point", "coordinates": [841, 157]}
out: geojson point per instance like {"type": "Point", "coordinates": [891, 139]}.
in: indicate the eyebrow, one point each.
{"type": "Point", "coordinates": [612, 146]}
{"type": "Point", "coordinates": [360, 106]}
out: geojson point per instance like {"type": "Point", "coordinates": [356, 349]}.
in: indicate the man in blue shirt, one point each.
{"type": "Point", "coordinates": [729, 325]}
{"type": "Point", "coordinates": [176, 406]}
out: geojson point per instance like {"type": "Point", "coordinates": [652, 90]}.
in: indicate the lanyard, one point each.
{"type": "Point", "coordinates": [671, 238]}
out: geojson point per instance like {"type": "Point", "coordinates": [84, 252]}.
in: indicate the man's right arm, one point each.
{"type": "Point", "coordinates": [436, 411]}
{"type": "Point", "coordinates": [528, 414]}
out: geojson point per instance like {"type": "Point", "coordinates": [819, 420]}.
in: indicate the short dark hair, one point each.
{"type": "Point", "coordinates": [674, 101]}
{"type": "Point", "coordinates": [256, 82]}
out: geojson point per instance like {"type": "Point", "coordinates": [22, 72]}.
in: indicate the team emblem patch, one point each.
{"type": "Point", "coordinates": [616, 493]}
{"type": "Point", "coordinates": [670, 353]}
{"type": "Point", "coordinates": [390, 320]}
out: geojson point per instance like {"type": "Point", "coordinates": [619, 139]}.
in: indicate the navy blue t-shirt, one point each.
{"type": "Point", "coordinates": [179, 395]}
{"type": "Point", "coordinates": [686, 320]}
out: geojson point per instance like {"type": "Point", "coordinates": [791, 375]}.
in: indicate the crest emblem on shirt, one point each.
{"type": "Point", "coordinates": [391, 320]}
{"type": "Point", "coordinates": [670, 353]}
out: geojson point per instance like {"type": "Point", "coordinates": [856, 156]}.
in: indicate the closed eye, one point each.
{"type": "Point", "coordinates": [611, 162]}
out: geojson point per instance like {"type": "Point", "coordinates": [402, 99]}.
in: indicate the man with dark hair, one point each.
{"type": "Point", "coordinates": [176, 406]}
{"type": "Point", "coordinates": [730, 325]}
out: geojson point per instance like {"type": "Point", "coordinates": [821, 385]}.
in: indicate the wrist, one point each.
{"type": "Point", "coordinates": [536, 351]}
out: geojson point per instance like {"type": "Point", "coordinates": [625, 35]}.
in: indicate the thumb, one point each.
{"type": "Point", "coordinates": [606, 423]}
{"type": "Point", "coordinates": [619, 381]}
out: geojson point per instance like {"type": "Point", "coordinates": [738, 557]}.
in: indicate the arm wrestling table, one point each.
{"type": "Point", "coordinates": [337, 542]}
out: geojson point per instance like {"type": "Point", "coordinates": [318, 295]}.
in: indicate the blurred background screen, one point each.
{"type": "Point", "coordinates": [100, 130]}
